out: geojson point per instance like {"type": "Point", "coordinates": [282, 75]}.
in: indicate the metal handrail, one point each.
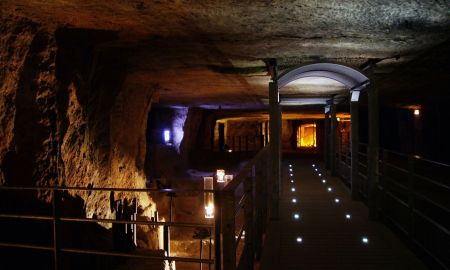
{"type": "Point", "coordinates": [56, 249]}
{"type": "Point", "coordinates": [62, 188]}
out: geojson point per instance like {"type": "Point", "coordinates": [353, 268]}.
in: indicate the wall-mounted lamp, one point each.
{"type": "Point", "coordinates": [208, 197]}
{"type": "Point", "coordinates": [166, 136]}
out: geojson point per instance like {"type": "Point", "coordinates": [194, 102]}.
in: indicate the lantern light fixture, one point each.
{"type": "Point", "coordinates": [220, 176]}
{"type": "Point", "coordinates": [208, 197]}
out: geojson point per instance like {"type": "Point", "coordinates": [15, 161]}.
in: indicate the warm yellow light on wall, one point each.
{"type": "Point", "coordinates": [208, 197]}
{"type": "Point", "coordinates": [306, 135]}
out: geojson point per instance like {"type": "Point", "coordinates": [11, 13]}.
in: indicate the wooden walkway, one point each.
{"type": "Point", "coordinates": [324, 237]}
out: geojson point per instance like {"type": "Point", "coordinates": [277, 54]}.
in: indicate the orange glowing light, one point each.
{"type": "Point", "coordinates": [306, 136]}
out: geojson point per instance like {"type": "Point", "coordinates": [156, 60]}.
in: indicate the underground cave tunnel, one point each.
{"type": "Point", "coordinates": [224, 135]}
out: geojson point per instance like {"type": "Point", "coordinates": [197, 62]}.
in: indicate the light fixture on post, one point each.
{"type": "Point", "coordinates": [220, 176]}
{"type": "Point", "coordinates": [208, 197]}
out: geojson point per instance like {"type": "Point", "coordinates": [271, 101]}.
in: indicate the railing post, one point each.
{"type": "Point", "coordinates": [249, 222]}
{"type": "Point", "coordinates": [411, 195]}
{"type": "Point", "coordinates": [259, 207]}
{"type": "Point", "coordinates": [228, 231]}
{"type": "Point", "coordinates": [56, 228]}
{"type": "Point", "coordinates": [217, 229]}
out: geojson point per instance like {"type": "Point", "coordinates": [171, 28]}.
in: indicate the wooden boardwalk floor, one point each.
{"type": "Point", "coordinates": [329, 239]}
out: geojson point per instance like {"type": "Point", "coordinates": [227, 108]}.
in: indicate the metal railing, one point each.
{"type": "Point", "coordinates": [57, 220]}
{"type": "Point", "coordinates": [248, 192]}
{"type": "Point", "coordinates": [246, 143]}
{"type": "Point", "coordinates": [414, 197]}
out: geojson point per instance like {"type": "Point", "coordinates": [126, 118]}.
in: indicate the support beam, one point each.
{"type": "Point", "coordinates": [332, 142]}
{"type": "Point", "coordinates": [275, 148]}
{"type": "Point", "coordinates": [326, 140]}
{"type": "Point", "coordinates": [373, 151]}
{"type": "Point", "coordinates": [354, 137]}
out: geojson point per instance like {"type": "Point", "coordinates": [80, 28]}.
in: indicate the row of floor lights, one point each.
{"type": "Point", "coordinates": [364, 239]}
{"type": "Point", "coordinates": [294, 200]}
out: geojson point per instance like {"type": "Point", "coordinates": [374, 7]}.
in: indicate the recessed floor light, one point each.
{"type": "Point", "coordinates": [290, 165]}
{"type": "Point", "coordinates": [299, 240]}
{"type": "Point", "coordinates": [336, 200]}
{"type": "Point", "coordinates": [294, 200]}
{"type": "Point", "coordinates": [316, 169]}
{"type": "Point", "coordinates": [365, 240]}
{"type": "Point", "coordinates": [296, 216]}
{"type": "Point", "coordinates": [320, 174]}
{"type": "Point", "coordinates": [292, 181]}
{"type": "Point", "coordinates": [292, 174]}
{"type": "Point", "coordinates": [292, 189]}
{"type": "Point", "coordinates": [324, 181]}
{"type": "Point", "coordinates": [290, 170]}
{"type": "Point", "coordinates": [348, 216]}
{"type": "Point", "coordinates": [329, 189]}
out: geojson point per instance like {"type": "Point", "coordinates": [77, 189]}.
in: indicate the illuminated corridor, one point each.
{"type": "Point", "coordinates": [320, 227]}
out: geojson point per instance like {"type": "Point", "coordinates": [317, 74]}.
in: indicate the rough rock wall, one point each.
{"type": "Point", "coordinates": [70, 114]}
{"type": "Point", "coordinates": [27, 103]}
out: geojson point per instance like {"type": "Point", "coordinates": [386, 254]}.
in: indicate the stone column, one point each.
{"type": "Point", "coordinates": [332, 141]}
{"type": "Point", "coordinates": [354, 144]}
{"type": "Point", "coordinates": [275, 147]}
{"type": "Point", "coordinates": [373, 151]}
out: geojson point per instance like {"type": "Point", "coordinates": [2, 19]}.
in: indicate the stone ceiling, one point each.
{"type": "Point", "coordinates": [214, 53]}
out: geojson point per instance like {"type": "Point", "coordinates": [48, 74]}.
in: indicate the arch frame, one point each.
{"type": "Point", "coordinates": [351, 78]}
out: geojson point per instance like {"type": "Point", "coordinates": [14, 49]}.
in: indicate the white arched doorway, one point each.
{"type": "Point", "coordinates": [353, 82]}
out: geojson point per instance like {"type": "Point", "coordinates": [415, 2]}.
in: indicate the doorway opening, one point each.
{"type": "Point", "coordinates": [306, 136]}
